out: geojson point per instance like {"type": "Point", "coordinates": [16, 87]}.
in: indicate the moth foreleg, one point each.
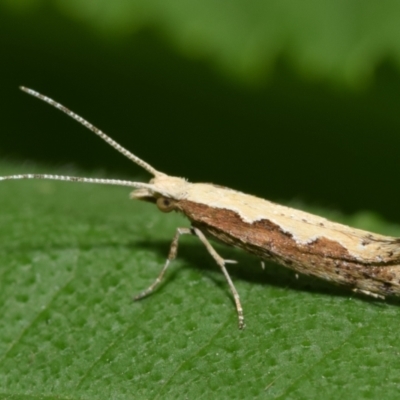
{"type": "Point", "coordinates": [171, 256]}
{"type": "Point", "coordinates": [221, 262]}
{"type": "Point", "coordinates": [218, 259]}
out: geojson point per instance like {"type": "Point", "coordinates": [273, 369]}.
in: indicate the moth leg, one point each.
{"type": "Point", "coordinates": [221, 262]}
{"type": "Point", "coordinates": [368, 293]}
{"type": "Point", "coordinates": [218, 259]}
{"type": "Point", "coordinates": [171, 256]}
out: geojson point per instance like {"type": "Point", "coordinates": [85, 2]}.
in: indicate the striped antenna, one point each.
{"type": "Point", "coordinates": [95, 130]}
{"type": "Point", "coordinates": [116, 182]}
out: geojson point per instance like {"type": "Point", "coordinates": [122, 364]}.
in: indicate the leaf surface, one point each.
{"type": "Point", "coordinates": [71, 258]}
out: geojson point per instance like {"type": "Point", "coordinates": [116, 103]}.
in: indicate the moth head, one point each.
{"type": "Point", "coordinates": [162, 190]}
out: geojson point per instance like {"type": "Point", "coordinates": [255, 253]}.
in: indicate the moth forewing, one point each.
{"type": "Point", "coordinates": [366, 262]}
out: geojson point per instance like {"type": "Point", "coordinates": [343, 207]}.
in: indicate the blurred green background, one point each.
{"type": "Point", "coordinates": [297, 102]}
{"type": "Point", "coordinates": [284, 100]}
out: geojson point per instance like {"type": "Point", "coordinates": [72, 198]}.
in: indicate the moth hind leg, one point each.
{"type": "Point", "coordinates": [368, 293]}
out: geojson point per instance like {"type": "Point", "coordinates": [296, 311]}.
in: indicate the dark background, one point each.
{"type": "Point", "coordinates": [284, 136]}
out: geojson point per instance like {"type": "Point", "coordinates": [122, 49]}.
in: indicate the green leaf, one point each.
{"type": "Point", "coordinates": [71, 258]}
{"type": "Point", "coordinates": [340, 40]}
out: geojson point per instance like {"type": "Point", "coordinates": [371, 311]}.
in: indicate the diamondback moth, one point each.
{"type": "Point", "coordinates": [366, 262]}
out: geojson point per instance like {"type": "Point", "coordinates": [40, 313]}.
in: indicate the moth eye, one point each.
{"type": "Point", "coordinates": [165, 205]}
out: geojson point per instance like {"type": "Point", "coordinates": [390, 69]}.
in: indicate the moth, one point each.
{"type": "Point", "coordinates": [366, 262]}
